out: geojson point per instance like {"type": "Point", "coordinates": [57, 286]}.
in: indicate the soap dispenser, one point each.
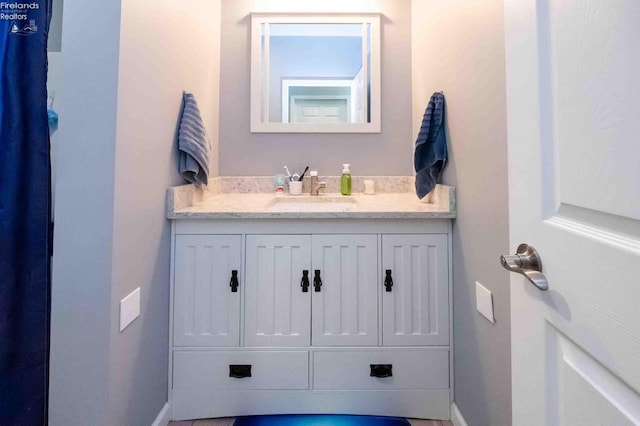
{"type": "Point", "coordinates": [345, 181]}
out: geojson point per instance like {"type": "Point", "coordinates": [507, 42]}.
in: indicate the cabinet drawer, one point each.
{"type": "Point", "coordinates": [410, 369]}
{"type": "Point", "coordinates": [210, 370]}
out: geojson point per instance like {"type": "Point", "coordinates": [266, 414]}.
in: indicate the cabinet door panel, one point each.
{"type": "Point", "coordinates": [277, 312]}
{"type": "Point", "coordinates": [206, 311]}
{"type": "Point", "coordinates": [345, 311]}
{"type": "Point", "coordinates": [416, 310]}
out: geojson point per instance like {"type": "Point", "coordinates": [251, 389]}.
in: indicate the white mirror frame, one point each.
{"type": "Point", "coordinates": [260, 103]}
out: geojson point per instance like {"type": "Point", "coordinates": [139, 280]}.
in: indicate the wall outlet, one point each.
{"type": "Point", "coordinates": [484, 302]}
{"type": "Point", "coordinates": [129, 308]}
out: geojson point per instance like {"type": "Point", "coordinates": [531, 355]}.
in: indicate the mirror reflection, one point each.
{"type": "Point", "coordinates": [313, 77]}
{"type": "Point", "coordinates": [316, 73]}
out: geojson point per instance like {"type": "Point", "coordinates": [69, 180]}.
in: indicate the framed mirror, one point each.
{"type": "Point", "coordinates": [315, 73]}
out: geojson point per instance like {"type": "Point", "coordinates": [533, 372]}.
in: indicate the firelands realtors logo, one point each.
{"type": "Point", "coordinates": [18, 14]}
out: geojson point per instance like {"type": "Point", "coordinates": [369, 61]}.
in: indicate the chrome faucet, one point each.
{"type": "Point", "coordinates": [315, 185]}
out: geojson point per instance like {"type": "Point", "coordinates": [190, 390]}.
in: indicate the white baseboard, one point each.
{"type": "Point", "coordinates": [456, 416]}
{"type": "Point", "coordinates": [163, 416]}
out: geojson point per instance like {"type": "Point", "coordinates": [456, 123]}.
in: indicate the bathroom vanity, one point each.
{"type": "Point", "coordinates": [300, 305]}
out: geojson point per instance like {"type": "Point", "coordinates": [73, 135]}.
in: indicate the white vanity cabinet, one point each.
{"type": "Point", "coordinates": [311, 316]}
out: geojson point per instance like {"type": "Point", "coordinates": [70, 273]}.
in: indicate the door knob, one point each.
{"type": "Point", "coordinates": [527, 262]}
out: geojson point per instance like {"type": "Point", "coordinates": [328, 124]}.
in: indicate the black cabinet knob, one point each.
{"type": "Point", "coordinates": [240, 371]}
{"type": "Point", "coordinates": [317, 281]}
{"type": "Point", "coordinates": [304, 283]}
{"type": "Point", "coordinates": [388, 281]}
{"type": "Point", "coordinates": [234, 281]}
{"type": "Point", "coordinates": [381, 370]}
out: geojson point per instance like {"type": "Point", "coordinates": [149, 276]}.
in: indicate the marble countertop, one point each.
{"type": "Point", "coordinates": [188, 202]}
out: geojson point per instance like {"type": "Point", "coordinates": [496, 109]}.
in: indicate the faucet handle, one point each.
{"type": "Point", "coordinates": [315, 184]}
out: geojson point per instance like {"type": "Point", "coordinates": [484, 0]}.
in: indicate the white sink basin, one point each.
{"type": "Point", "coordinates": [306, 203]}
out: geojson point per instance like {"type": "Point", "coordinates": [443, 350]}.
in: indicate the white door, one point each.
{"type": "Point", "coordinates": [311, 110]}
{"type": "Point", "coordinates": [206, 297]}
{"type": "Point", "coordinates": [277, 309]}
{"type": "Point", "coordinates": [573, 106]}
{"type": "Point", "coordinates": [415, 295]}
{"type": "Point", "coordinates": [345, 307]}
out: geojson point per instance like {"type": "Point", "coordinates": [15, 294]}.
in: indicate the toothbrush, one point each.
{"type": "Point", "coordinates": [288, 173]}
{"type": "Point", "coordinates": [303, 173]}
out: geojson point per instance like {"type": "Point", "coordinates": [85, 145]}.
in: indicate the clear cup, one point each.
{"type": "Point", "coordinates": [278, 183]}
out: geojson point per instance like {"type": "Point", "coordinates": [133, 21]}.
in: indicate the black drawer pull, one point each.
{"type": "Point", "coordinates": [317, 281]}
{"type": "Point", "coordinates": [388, 281]}
{"type": "Point", "coordinates": [381, 370]}
{"type": "Point", "coordinates": [234, 281]}
{"type": "Point", "coordinates": [239, 371]}
{"type": "Point", "coordinates": [305, 281]}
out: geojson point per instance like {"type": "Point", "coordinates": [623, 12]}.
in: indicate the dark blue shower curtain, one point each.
{"type": "Point", "coordinates": [25, 229]}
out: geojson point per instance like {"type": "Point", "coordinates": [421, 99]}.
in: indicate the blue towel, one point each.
{"type": "Point", "coordinates": [430, 157]}
{"type": "Point", "coordinates": [193, 143]}
{"type": "Point", "coordinates": [53, 121]}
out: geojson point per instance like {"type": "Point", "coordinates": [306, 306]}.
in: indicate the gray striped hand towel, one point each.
{"type": "Point", "coordinates": [193, 143]}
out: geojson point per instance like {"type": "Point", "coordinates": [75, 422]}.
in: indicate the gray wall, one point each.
{"type": "Point", "coordinates": [54, 42]}
{"type": "Point", "coordinates": [458, 47]}
{"type": "Point", "coordinates": [161, 54]}
{"type": "Point", "coordinates": [387, 153]}
{"type": "Point", "coordinates": [118, 115]}
{"type": "Point", "coordinates": [81, 287]}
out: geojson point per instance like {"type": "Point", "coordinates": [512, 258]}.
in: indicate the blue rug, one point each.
{"type": "Point", "coordinates": [319, 420]}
